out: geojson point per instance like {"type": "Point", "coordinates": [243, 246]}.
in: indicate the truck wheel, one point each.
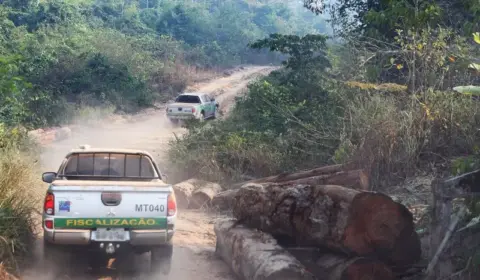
{"type": "Point", "coordinates": [202, 116]}
{"type": "Point", "coordinates": [161, 259]}
{"type": "Point", "coordinates": [174, 121]}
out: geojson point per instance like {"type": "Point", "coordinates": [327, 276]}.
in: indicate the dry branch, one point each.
{"type": "Point", "coordinates": [342, 219]}
{"type": "Point", "coordinates": [332, 174]}
{"type": "Point", "coordinates": [297, 175]}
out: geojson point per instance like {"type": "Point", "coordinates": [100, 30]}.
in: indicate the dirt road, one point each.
{"type": "Point", "coordinates": [194, 240]}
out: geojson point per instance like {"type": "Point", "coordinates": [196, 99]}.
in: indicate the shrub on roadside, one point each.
{"type": "Point", "coordinates": [392, 135]}
{"type": "Point", "coordinates": [19, 199]}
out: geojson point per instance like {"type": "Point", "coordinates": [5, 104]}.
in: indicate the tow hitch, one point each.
{"type": "Point", "coordinates": [110, 248]}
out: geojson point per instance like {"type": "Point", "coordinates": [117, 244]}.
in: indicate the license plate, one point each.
{"type": "Point", "coordinates": [114, 234]}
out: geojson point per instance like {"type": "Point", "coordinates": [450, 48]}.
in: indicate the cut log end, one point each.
{"type": "Point", "coordinates": [203, 196]}
{"type": "Point", "coordinates": [183, 192]}
{"type": "Point", "coordinates": [383, 227]}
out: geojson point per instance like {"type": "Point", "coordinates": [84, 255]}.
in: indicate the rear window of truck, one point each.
{"type": "Point", "coordinates": [188, 99]}
{"type": "Point", "coordinates": [109, 165]}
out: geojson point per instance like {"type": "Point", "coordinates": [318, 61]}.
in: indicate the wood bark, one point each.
{"type": "Point", "coordinates": [356, 179]}
{"type": "Point", "coordinates": [223, 201]}
{"type": "Point", "coordinates": [203, 195]}
{"type": "Point", "coordinates": [342, 219]}
{"type": "Point", "coordinates": [254, 255]}
{"type": "Point", "coordinates": [327, 266]}
{"type": "Point", "coordinates": [358, 268]}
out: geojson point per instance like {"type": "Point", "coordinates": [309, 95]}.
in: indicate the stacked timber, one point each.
{"type": "Point", "coordinates": [362, 234]}
{"type": "Point", "coordinates": [328, 175]}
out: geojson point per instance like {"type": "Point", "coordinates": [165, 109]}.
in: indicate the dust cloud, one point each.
{"type": "Point", "coordinates": [193, 256]}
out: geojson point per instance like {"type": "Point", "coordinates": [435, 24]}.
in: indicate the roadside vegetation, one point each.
{"type": "Point", "coordinates": [73, 60]}
{"type": "Point", "coordinates": [395, 93]}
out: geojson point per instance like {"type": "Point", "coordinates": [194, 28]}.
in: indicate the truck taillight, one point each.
{"type": "Point", "coordinates": [171, 205]}
{"type": "Point", "coordinates": [193, 110]}
{"type": "Point", "coordinates": [49, 205]}
{"type": "Point", "coordinates": [49, 224]}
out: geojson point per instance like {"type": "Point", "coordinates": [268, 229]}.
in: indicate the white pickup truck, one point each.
{"type": "Point", "coordinates": [199, 106]}
{"type": "Point", "coordinates": [109, 202]}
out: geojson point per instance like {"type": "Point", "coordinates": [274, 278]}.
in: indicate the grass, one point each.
{"type": "Point", "coordinates": [20, 198]}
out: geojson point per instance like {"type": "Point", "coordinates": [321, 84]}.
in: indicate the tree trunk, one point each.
{"type": "Point", "coordinates": [356, 179]}
{"type": "Point", "coordinates": [290, 176]}
{"type": "Point", "coordinates": [223, 201]}
{"type": "Point", "coordinates": [342, 219]}
{"type": "Point", "coordinates": [204, 195]}
{"type": "Point", "coordinates": [338, 268]}
{"type": "Point", "coordinates": [183, 192]}
{"type": "Point", "coordinates": [254, 255]}
{"type": "Point", "coordinates": [327, 266]}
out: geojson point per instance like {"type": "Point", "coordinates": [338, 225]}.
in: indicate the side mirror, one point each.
{"type": "Point", "coordinates": [48, 177]}
{"type": "Point", "coordinates": [213, 99]}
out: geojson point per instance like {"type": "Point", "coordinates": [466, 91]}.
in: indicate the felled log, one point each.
{"type": "Point", "coordinates": [290, 176]}
{"type": "Point", "coordinates": [342, 219]}
{"type": "Point", "coordinates": [356, 179]}
{"type": "Point", "coordinates": [327, 266]}
{"type": "Point", "coordinates": [204, 194]}
{"type": "Point", "coordinates": [255, 255]}
{"type": "Point", "coordinates": [183, 192]}
{"type": "Point", "coordinates": [338, 268]}
{"type": "Point", "coordinates": [224, 200]}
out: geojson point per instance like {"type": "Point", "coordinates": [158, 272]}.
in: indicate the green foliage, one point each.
{"type": "Point", "coordinates": [303, 52]}
{"type": "Point", "coordinates": [53, 54]}
{"type": "Point", "coordinates": [17, 224]}
{"type": "Point", "coordinates": [380, 18]}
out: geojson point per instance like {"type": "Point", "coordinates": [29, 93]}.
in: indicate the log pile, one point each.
{"type": "Point", "coordinates": [361, 234]}
{"type": "Point", "coordinates": [328, 175]}
{"type": "Point", "coordinates": [338, 174]}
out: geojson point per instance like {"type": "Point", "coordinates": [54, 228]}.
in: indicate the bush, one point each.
{"type": "Point", "coordinates": [394, 137]}
{"type": "Point", "coordinates": [377, 127]}
{"type": "Point", "coordinates": [219, 152]}
{"type": "Point", "coordinates": [20, 194]}
{"type": "Point", "coordinates": [18, 183]}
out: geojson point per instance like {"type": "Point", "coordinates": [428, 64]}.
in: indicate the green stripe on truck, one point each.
{"type": "Point", "coordinates": [137, 223]}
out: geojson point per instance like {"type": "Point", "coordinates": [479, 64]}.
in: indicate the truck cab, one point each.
{"type": "Point", "coordinates": [109, 202]}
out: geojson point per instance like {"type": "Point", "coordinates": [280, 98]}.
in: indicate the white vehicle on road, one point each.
{"type": "Point", "coordinates": [199, 106]}
{"type": "Point", "coordinates": [109, 202]}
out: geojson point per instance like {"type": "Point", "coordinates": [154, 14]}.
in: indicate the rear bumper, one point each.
{"type": "Point", "coordinates": [181, 117]}
{"type": "Point", "coordinates": [82, 237]}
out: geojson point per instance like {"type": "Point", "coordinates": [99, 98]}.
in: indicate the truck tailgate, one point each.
{"type": "Point", "coordinates": [110, 206]}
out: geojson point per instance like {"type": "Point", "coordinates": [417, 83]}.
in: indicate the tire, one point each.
{"type": "Point", "coordinates": [202, 117]}
{"type": "Point", "coordinates": [161, 259]}
{"type": "Point", "coordinates": [174, 121]}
